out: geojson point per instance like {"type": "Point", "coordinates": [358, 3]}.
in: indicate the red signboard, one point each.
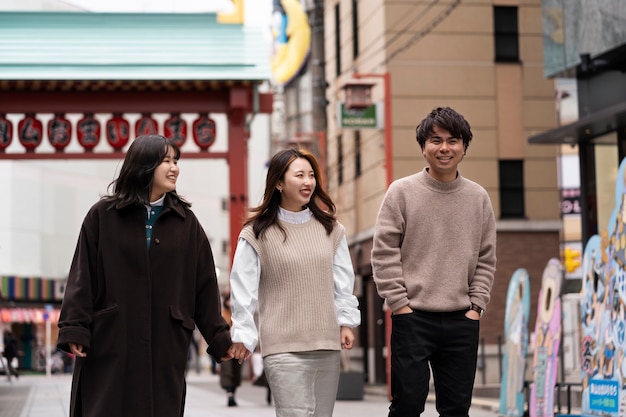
{"type": "Point", "coordinates": [59, 132]}
{"type": "Point", "coordinates": [117, 131]}
{"type": "Point", "coordinates": [30, 132]}
{"type": "Point", "coordinates": [88, 132]}
{"type": "Point", "coordinates": [204, 131]}
{"type": "Point", "coordinates": [175, 129]}
{"type": "Point", "coordinates": [146, 125]}
{"type": "Point", "coordinates": [6, 132]}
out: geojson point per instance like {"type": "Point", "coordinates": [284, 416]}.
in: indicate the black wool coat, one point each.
{"type": "Point", "coordinates": [134, 309]}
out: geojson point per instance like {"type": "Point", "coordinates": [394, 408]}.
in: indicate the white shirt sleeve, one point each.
{"type": "Point", "coordinates": [244, 294]}
{"type": "Point", "coordinates": [346, 304]}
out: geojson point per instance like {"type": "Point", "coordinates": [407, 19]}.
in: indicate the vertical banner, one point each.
{"type": "Point", "coordinates": [547, 341]}
{"type": "Point", "coordinates": [515, 345]}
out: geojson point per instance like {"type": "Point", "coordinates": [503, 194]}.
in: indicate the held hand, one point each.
{"type": "Point", "coordinates": [239, 352]}
{"type": "Point", "coordinates": [77, 350]}
{"type": "Point", "coordinates": [347, 338]}
{"type": "Point", "coordinates": [228, 356]}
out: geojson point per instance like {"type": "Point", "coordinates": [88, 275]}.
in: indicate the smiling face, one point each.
{"type": "Point", "coordinates": [297, 185]}
{"type": "Point", "coordinates": [165, 175]}
{"type": "Point", "coordinates": [443, 154]}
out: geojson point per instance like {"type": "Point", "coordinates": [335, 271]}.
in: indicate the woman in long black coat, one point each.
{"type": "Point", "coordinates": [142, 278]}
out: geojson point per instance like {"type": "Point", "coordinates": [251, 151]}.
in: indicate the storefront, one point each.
{"type": "Point", "coordinates": [600, 133]}
{"type": "Point", "coordinates": [27, 306]}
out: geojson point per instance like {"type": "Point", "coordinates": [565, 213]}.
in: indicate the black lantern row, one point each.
{"type": "Point", "coordinates": [117, 131]}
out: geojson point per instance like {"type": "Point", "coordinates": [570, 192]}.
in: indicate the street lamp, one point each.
{"type": "Point", "coordinates": [389, 177]}
{"type": "Point", "coordinates": [388, 127]}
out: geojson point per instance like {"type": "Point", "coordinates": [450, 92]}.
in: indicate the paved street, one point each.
{"type": "Point", "coordinates": [41, 396]}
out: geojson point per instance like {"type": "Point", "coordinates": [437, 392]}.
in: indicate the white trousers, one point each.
{"type": "Point", "coordinates": [303, 384]}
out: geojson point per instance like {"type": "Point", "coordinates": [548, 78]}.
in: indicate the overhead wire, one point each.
{"type": "Point", "coordinates": [405, 29]}
{"type": "Point", "coordinates": [419, 35]}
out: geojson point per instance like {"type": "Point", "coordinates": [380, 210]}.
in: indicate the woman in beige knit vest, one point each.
{"type": "Point", "coordinates": [292, 261]}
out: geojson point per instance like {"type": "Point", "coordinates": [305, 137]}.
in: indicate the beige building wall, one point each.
{"type": "Point", "coordinates": [451, 65]}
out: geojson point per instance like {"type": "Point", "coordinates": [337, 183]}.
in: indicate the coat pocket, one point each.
{"type": "Point", "coordinates": [186, 322]}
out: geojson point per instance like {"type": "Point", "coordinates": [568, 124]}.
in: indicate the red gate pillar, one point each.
{"type": "Point", "coordinates": [237, 173]}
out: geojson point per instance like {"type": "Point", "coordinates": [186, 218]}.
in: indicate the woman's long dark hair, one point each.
{"type": "Point", "coordinates": [266, 214]}
{"type": "Point", "coordinates": [134, 184]}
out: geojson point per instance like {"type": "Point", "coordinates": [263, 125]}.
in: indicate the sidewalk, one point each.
{"type": "Point", "coordinates": [41, 396]}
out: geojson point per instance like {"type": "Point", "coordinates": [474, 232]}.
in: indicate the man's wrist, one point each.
{"type": "Point", "coordinates": [477, 309]}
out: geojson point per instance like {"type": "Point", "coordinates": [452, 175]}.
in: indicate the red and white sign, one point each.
{"type": "Point", "coordinates": [6, 132]}
{"type": "Point", "coordinates": [146, 125]}
{"type": "Point", "coordinates": [59, 132]}
{"type": "Point", "coordinates": [88, 132]}
{"type": "Point", "coordinates": [30, 132]}
{"type": "Point", "coordinates": [175, 129]}
{"type": "Point", "coordinates": [204, 131]}
{"type": "Point", "coordinates": [117, 131]}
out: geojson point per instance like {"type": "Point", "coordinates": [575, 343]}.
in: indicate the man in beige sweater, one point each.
{"type": "Point", "coordinates": [434, 258]}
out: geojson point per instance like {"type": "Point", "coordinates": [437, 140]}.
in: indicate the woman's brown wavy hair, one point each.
{"type": "Point", "coordinates": [266, 214]}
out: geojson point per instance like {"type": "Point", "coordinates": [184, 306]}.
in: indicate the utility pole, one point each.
{"type": "Point", "coordinates": [318, 66]}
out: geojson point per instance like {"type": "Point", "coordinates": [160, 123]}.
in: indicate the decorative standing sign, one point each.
{"type": "Point", "coordinates": [547, 341]}
{"type": "Point", "coordinates": [516, 344]}
{"type": "Point", "coordinates": [603, 301]}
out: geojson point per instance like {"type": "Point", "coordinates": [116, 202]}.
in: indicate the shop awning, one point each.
{"type": "Point", "coordinates": [586, 128]}
{"type": "Point", "coordinates": [31, 289]}
{"type": "Point", "coordinates": [29, 315]}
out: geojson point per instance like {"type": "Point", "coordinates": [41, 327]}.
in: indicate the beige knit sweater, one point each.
{"type": "Point", "coordinates": [296, 288]}
{"type": "Point", "coordinates": [434, 244]}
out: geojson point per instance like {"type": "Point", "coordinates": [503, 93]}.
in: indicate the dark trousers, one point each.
{"type": "Point", "coordinates": [448, 342]}
{"type": "Point", "coordinates": [10, 369]}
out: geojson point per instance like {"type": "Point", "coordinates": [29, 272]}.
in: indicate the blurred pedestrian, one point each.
{"type": "Point", "coordinates": [10, 353]}
{"type": "Point", "coordinates": [434, 258]}
{"type": "Point", "coordinates": [230, 371]}
{"type": "Point", "coordinates": [292, 259]}
{"type": "Point", "coordinates": [142, 277]}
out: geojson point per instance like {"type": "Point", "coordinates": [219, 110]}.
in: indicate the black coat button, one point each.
{"type": "Point", "coordinates": [157, 241]}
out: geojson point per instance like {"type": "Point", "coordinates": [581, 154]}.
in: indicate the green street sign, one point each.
{"type": "Point", "coordinates": [370, 117]}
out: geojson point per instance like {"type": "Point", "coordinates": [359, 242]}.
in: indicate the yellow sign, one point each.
{"type": "Point", "coordinates": [292, 40]}
{"type": "Point", "coordinates": [572, 259]}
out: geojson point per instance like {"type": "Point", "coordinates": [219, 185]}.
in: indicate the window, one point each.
{"type": "Point", "coordinates": [340, 159]}
{"type": "Point", "coordinates": [355, 29]}
{"type": "Point", "coordinates": [357, 153]}
{"type": "Point", "coordinates": [506, 33]}
{"type": "Point", "coordinates": [511, 189]}
{"type": "Point", "coordinates": [337, 41]}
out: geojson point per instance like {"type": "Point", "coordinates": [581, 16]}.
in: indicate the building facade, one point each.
{"type": "Point", "coordinates": [485, 59]}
